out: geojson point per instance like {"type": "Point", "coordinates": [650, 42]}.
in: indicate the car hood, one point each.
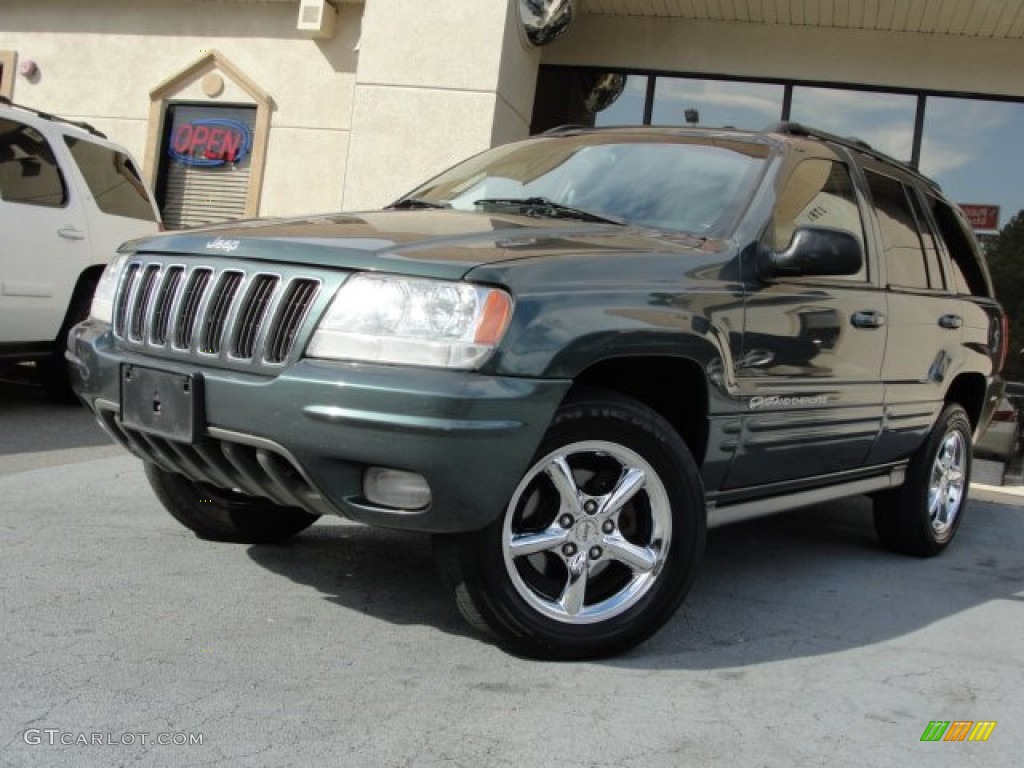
{"type": "Point", "coordinates": [428, 243]}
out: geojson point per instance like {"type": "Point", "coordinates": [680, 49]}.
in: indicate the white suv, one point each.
{"type": "Point", "coordinates": [68, 199]}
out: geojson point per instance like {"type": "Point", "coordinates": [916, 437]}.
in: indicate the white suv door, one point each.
{"type": "Point", "coordinates": [44, 235]}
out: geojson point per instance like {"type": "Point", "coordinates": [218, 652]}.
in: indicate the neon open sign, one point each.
{"type": "Point", "coordinates": [210, 142]}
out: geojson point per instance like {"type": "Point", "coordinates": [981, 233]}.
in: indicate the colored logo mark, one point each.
{"type": "Point", "coordinates": [958, 730]}
{"type": "Point", "coordinates": [210, 142]}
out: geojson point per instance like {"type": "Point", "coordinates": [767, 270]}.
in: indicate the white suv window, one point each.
{"type": "Point", "coordinates": [28, 170]}
{"type": "Point", "coordinates": [112, 179]}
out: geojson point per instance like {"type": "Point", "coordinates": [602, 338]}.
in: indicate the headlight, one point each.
{"type": "Point", "coordinates": [386, 319]}
{"type": "Point", "coordinates": [103, 299]}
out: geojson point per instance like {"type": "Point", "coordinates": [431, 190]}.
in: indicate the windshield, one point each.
{"type": "Point", "coordinates": [688, 185]}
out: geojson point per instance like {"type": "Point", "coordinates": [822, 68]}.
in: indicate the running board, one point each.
{"type": "Point", "coordinates": [747, 510]}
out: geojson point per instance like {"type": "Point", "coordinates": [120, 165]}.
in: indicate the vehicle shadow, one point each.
{"type": "Point", "coordinates": [387, 574]}
{"type": "Point", "coordinates": [808, 583]}
{"type": "Point", "coordinates": [30, 421]}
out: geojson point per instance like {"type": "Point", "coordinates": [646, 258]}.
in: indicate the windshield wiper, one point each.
{"type": "Point", "coordinates": [545, 207]}
{"type": "Point", "coordinates": [418, 202]}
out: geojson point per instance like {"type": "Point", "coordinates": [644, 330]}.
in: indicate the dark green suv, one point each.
{"type": "Point", "coordinates": [565, 358]}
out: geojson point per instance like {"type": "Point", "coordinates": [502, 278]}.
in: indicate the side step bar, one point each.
{"type": "Point", "coordinates": [748, 510]}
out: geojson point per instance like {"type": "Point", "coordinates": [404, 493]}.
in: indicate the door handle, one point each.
{"type": "Point", "coordinates": [71, 233]}
{"type": "Point", "coordinates": [868, 318]}
{"type": "Point", "coordinates": [952, 322]}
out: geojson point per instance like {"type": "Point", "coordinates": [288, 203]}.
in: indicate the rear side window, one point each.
{"type": "Point", "coordinates": [28, 170]}
{"type": "Point", "coordinates": [905, 260]}
{"type": "Point", "coordinates": [115, 184]}
{"type": "Point", "coordinates": [968, 274]}
{"type": "Point", "coordinates": [819, 193]}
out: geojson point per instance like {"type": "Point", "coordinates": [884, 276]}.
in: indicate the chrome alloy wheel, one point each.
{"type": "Point", "coordinates": [587, 532]}
{"type": "Point", "coordinates": [946, 490]}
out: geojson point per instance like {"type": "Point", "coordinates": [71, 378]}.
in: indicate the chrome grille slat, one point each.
{"type": "Point", "coordinates": [253, 314]}
{"type": "Point", "coordinates": [165, 300]}
{"type": "Point", "coordinates": [124, 301]}
{"type": "Point", "coordinates": [140, 304]}
{"type": "Point", "coordinates": [185, 322]}
{"type": "Point", "coordinates": [251, 318]}
{"type": "Point", "coordinates": [215, 321]}
{"type": "Point", "coordinates": [297, 301]}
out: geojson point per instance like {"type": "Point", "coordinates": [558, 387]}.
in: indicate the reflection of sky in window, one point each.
{"type": "Point", "coordinates": [883, 120]}
{"type": "Point", "coordinates": [719, 102]}
{"type": "Point", "coordinates": [973, 149]}
{"type": "Point", "coordinates": [628, 109]}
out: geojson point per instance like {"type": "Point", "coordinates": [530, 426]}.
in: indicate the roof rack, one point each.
{"type": "Point", "coordinates": [57, 119]}
{"type": "Point", "coordinates": [851, 142]}
{"type": "Point", "coordinates": [567, 128]}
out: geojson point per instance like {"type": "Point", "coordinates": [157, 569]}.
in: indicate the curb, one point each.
{"type": "Point", "coordinates": [995, 494]}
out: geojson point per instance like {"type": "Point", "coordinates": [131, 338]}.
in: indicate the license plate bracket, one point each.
{"type": "Point", "coordinates": [162, 403]}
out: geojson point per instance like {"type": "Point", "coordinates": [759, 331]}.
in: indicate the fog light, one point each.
{"type": "Point", "coordinates": [395, 488]}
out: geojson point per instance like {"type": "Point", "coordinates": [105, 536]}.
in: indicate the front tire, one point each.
{"type": "Point", "coordinates": [217, 514]}
{"type": "Point", "coordinates": [922, 516]}
{"type": "Point", "coordinates": [599, 543]}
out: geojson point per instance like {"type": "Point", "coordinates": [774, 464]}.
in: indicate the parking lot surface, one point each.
{"type": "Point", "coordinates": [803, 643]}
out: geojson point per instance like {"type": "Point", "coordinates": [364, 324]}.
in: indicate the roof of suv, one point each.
{"type": "Point", "coordinates": [80, 125]}
{"type": "Point", "coordinates": [785, 130]}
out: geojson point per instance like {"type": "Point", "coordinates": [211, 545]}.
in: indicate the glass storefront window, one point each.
{"type": "Point", "coordinates": [973, 149]}
{"type": "Point", "coordinates": [628, 109]}
{"type": "Point", "coordinates": [718, 103]}
{"type": "Point", "coordinates": [883, 120]}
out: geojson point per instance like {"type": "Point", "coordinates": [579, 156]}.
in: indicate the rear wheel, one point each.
{"type": "Point", "coordinates": [223, 515]}
{"type": "Point", "coordinates": [922, 516]}
{"type": "Point", "coordinates": [599, 543]}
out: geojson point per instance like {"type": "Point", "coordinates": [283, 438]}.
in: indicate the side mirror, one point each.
{"type": "Point", "coordinates": [815, 251]}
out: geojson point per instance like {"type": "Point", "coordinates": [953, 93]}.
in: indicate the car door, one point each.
{"type": "Point", "coordinates": [43, 235]}
{"type": "Point", "coordinates": [925, 320]}
{"type": "Point", "coordinates": [812, 349]}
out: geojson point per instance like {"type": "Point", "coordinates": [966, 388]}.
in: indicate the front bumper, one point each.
{"type": "Point", "coordinates": [305, 437]}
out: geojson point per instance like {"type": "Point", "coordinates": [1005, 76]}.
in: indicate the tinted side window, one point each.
{"type": "Point", "coordinates": [904, 255]}
{"type": "Point", "coordinates": [818, 193]}
{"type": "Point", "coordinates": [112, 179]}
{"type": "Point", "coordinates": [28, 170]}
{"type": "Point", "coordinates": [968, 275]}
{"type": "Point", "coordinates": [931, 247]}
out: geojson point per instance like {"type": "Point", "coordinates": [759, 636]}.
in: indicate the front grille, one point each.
{"type": "Point", "coordinates": [236, 315]}
{"type": "Point", "coordinates": [259, 468]}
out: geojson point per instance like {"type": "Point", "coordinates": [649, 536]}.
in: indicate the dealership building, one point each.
{"type": "Point", "coordinates": [278, 107]}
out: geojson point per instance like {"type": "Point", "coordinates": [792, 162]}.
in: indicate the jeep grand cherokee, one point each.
{"type": "Point", "coordinates": [565, 358]}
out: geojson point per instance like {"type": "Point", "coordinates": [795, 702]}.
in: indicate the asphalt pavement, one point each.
{"type": "Point", "coordinates": [803, 643]}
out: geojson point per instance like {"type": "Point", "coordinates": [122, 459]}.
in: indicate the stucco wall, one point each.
{"type": "Point", "coordinates": [98, 61]}
{"type": "Point", "coordinates": [437, 81]}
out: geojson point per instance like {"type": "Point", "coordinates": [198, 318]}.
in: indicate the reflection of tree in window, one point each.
{"type": "Point", "coordinates": [967, 275]}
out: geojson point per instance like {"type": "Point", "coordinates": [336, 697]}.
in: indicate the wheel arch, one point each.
{"type": "Point", "coordinates": [676, 388]}
{"type": "Point", "coordinates": [85, 285]}
{"type": "Point", "coordinates": [969, 390]}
